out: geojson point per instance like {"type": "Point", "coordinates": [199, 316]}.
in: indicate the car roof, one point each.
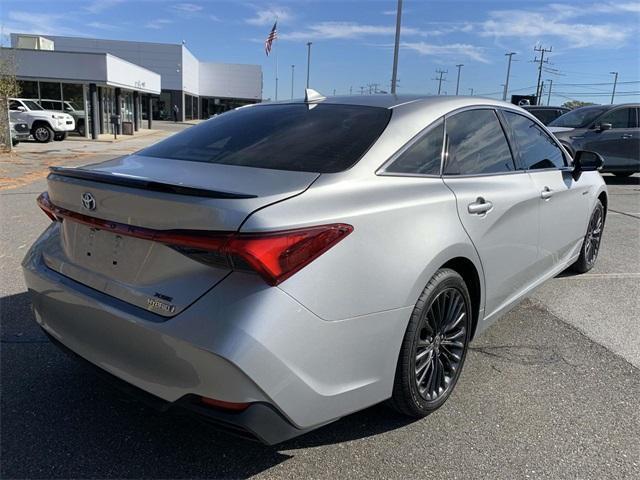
{"type": "Point", "coordinates": [608, 107]}
{"type": "Point", "coordinates": [543, 107]}
{"type": "Point", "coordinates": [394, 101]}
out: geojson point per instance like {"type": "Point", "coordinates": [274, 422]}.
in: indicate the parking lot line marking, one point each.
{"type": "Point", "coordinates": [632, 215]}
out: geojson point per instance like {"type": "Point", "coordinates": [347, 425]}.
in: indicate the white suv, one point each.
{"type": "Point", "coordinates": [44, 125]}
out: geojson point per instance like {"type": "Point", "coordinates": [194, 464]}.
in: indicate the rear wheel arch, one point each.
{"type": "Point", "coordinates": [469, 273]}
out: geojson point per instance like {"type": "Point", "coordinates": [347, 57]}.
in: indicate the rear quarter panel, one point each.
{"type": "Point", "coordinates": [405, 228]}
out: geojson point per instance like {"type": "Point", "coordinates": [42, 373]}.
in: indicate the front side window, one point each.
{"type": "Point", "coordinates": [322, 138]}
{"type": "Point", "coordinates": [620, 118]}
{"type": "Point", "coordinates": [477, 144]}
{"type": "Point", "coordinates": [31, 105]}
{"type": "Point", "coordinates": [536, 149]}
{"type": "Point", "coordinates": [14, 104]}
{"type": "Point", "coordinates": [423, 157]}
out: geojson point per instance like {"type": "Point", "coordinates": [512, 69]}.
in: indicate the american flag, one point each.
{"type": "Point", "coordinates": [269, 41]}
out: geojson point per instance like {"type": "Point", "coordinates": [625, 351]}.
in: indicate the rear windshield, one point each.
{"type": "Point", "coordinates": [320, 138]}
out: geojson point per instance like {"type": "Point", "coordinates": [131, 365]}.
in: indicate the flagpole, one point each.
{"type": "Point", "coordinates": [276, 52]}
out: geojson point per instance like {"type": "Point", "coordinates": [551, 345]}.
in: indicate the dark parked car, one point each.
{"type": "Point", "coordinates": [611, 130]}
{"type": "Point", "coordinates": [545, 114]}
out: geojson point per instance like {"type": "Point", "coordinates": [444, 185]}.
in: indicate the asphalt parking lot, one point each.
{"type": "Point", "coordinates": [552, 390]}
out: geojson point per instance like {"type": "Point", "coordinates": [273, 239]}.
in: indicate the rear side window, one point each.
{"type": "Point", "coordinates": [321, 138]}
{"type": "Point", "coordinates": [423, 157]}
{"type": "Point", "coordinates": [620, 118]}
{"type": "Point", "coordinates": [536, 149]}
{"type": "Point", "coordinates": [477, 144]}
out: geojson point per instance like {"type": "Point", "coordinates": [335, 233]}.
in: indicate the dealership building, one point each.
{"type": "Point", "coordinates": [139, 81]}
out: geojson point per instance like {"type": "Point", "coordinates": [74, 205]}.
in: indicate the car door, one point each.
{"type": "Point", "coordinates": [563, 200]}
{"type": "Point", "coordinates": [497, 204]}
{"type": "Point", "coordinates": [620, 146]}
{"type": "Point", "coordinates": [16, 115]}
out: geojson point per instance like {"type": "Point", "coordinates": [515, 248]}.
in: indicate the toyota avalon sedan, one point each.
{"type": "Point", "coordinates": [283, 265]}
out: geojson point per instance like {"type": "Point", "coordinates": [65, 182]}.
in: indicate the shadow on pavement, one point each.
{"type": "Point", "coordinates": [60, 421]}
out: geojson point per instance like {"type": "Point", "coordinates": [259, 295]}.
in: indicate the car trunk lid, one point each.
{"type": "Point", "coordinates": [156, 195]}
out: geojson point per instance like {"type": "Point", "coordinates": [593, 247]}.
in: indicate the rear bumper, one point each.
{"type": "Point", "coordinates": [260, 421]}
{"type": "Point", "coordinates": [242, 342]}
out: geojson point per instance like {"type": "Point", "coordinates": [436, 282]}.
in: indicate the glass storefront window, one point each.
{"type": "Point", "coordinates": [50, 91]}
{"type": "Point", "coordinates": [28, 89]}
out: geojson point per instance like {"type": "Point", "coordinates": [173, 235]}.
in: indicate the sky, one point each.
{"type": "Point", "coordinates": [352, 41]}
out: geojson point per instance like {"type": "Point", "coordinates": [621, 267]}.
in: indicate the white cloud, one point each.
{"type": "Point", "coordinates": [43, 24]}
{"type": "Point", "coordinates": [103, 26]}
{"type": "Point", "coordinates": [558, 21]}
{"type": "Point", "coordinates": [346, 30]}
{"type": "Point", "coordinates": [268, 15]}
{"type": "Point", "coordinates": [214, 18]}
{"type": "Point", "coordinates": [455, 50]}
{"type": "Point", "coordinates": [158, 23]}
{"type": "Point", "coordinates": [187, 7]}
{"type": "Point", "coordinates": [101, 5]}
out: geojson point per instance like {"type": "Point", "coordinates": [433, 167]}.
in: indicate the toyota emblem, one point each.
{"type": "Point", "coordinates": [88, 201]}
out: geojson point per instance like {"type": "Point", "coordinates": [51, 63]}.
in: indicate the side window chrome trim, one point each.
{"type": "Point", "coordinates": [382, 170]}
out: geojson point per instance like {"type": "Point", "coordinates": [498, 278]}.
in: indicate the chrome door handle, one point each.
{"type": "Point", "coordinates": [480, 206]}
{"type": "Point", "coordinates": [626, 135]}
{"type": "Point", "coordinates": [546, 194]}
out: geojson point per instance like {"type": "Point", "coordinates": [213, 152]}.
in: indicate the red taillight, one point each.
{"type": "Point", "coordinates": [221, 404]}
{"type": "Point", "coordinates": [274, 255]}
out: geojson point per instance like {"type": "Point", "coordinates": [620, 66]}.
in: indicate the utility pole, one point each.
{"type": "Point", "coordinates": [396, 48]}
{"type": "Point", "coordinates": [460, 65]}
{"type": "Point", "coordinates": [471, 90]}
{"type": "Point", "coordinates": [440, 79]}
{"type": "Point", "coordinates": [549, 94]}
{"type": "Point", "coordinates": [292, 69]}
{"type": "Point", "coordinates": [540, 62]}
{"type": "Point", "coordinates": [506, 83]}
{"type": "Point", "coordinates": [308, 61]}
{"type": "Point", "coordinates": [350, 90]}
{"type": "Point", "coordinates": [615, 82]}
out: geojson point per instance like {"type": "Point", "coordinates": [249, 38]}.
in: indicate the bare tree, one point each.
{"type": "Point", "coordinates": [8, 88]}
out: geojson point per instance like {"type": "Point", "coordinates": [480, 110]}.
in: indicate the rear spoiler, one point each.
{"type": "Point", "coordinates": [140, 183]}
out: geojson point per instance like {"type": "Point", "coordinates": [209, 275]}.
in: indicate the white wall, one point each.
{"type": "Point", "coordinates": [231, 80]}
{"type": "Point", "coordinates": [164, 59]}
{"type": "Point", "coordinates": [190, 72]}
{"type": "Point", "coordinates": [121, 73]}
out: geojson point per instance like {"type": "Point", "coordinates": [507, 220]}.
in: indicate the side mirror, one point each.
{"type": "Point", "coordinates": [604, 126]}
{"type": "Point", "coordinates": [21, 109]}
{"type": "Point", "coordinates": [586, 161]}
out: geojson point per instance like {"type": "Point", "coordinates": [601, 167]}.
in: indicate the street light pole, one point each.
{"type": "Point", "coordinates": [396, 48]}
{"type": "Point", "coordinates": [292, 69]}
{"type": "Point", "coordinates": [458, 82]}
{"type": "Point", "coordinates": [615, 82]}
{"type": "Point", "coordinates": [308, 61]}
{"type": "Point", "coordinates": [506, 83]}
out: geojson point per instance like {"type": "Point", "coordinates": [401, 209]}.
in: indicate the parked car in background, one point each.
{"type": "Point", "coordinates": [68, 107]}
{"type": "Point", "coordinates": [283, 265]}
{"type": "Point", "coordinates": [611, 130]}
{"type": "Point", "coordinates": [545, 114]}
{"type": "Point", "coordinates": [19, 132]}
{"type": "Point", "coordinates": [44, 125]}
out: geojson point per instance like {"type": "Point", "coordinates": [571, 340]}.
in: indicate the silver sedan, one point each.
{"type": "Point", "coordinates": [283, 265]}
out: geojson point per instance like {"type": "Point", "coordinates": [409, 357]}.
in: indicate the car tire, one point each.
{"type": "Point", "coordinates": [591, 243]}
{"type": "Point", "coordinates": [59, 136]}
{"type": "Point", "coordinates": [42, 133]}
{"type": "Point", "coordinates": [623, 174]}
{"type": "Point", "coordinates": [14, 142]}
{"type": "Point", "coordinates": [434, 346]}
{"type": "Point", "coordinates": [80, 129]}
